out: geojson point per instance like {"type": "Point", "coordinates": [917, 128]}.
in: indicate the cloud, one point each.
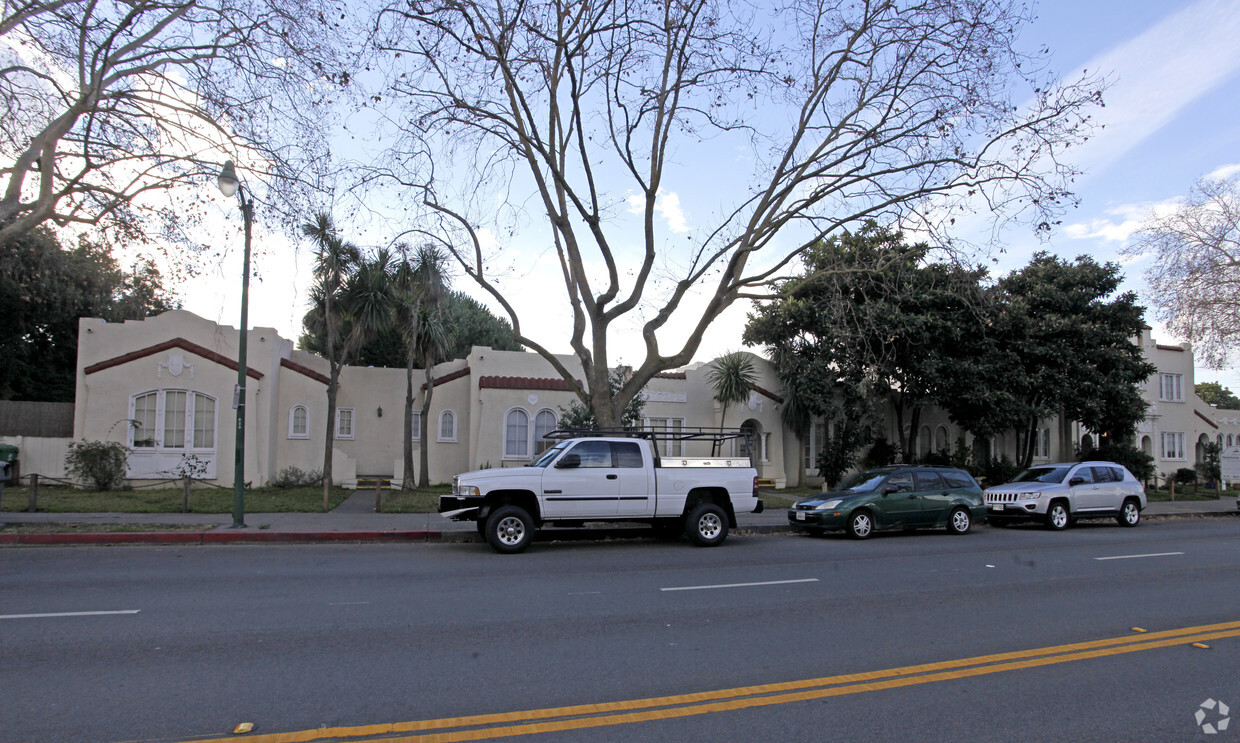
{"type": "Point", "coordinates": [667, 205]}
{"type": "Point", "coordinates": [1159, 73]}
{"type": "Point", "coordinates": [1223, 173]}
{"type": "Point", "coordinates": [1128, 220]}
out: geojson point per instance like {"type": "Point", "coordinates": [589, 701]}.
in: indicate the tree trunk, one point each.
{"type": "Point", "coordinates": [424, 480]}
{"type": "Point", "coordinates": [407, 448]}
{"type": "Point", "coordinates": [913, 425]}
{"type": "Point", "coordinates": [329, 440]}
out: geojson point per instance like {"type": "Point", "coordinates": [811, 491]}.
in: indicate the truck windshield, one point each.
{"type": "Point", "coordinates": [1042, 474]}
{"type": "Point", "coordinates": [549, 455]}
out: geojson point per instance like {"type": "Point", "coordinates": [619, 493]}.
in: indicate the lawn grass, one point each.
{"type": "Point", "coordinates": [202, 499]}
{"type": "Point", "coordinates": [412, 501]}
{"type": "Point", "coordinates": [1186, 494]}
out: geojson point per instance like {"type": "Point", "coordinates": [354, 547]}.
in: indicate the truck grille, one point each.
{"type": "Point", "coordinates": [1001, 497]}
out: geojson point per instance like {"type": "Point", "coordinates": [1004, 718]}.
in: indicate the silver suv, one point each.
{"type": "Point", "coordinates": [1058, 494]}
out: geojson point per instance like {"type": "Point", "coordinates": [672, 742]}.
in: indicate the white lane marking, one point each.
{"type": "Point", "coordinates": [350, 603]}
{"type": "Point", "coordinates": [1129, 557]}
{"type": "Point", "coordinates": [69, 614]}
{"type": "Point", "coordinates": [741, 585]}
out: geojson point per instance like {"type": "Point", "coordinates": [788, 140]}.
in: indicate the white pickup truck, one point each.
{"type": "Point", "coordinates": [610, 476]}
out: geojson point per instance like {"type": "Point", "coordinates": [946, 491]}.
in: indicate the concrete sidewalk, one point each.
{"type": "Point", "coordinates": [355, 521]}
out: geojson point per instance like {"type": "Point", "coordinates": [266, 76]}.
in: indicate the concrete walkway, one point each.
{"type": "Point", "coordinates": [354, 520]}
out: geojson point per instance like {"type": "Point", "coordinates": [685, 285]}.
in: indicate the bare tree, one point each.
{"type": "Point", "coordinates": [105, 104]}
{"type": "Point", "coordinates": [900, 111]}
{"type": "Point", "coordinates": [1195, 278]}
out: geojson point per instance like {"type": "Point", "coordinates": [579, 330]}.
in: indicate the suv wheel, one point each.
{"type": "Point", "coordinates": [959, 521]}
{"type": "Point", "coordinates": [1057, 516]}
{"type": "Point", "coordinates": [509, 529]}
{"type": "Point", "coordinates": [1129, 513]}
{"type": "Point", "coordinates": [707, 525]}
{"type": "Point", "coordinates": [860, 524]}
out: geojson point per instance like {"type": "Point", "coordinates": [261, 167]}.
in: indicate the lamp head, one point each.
{"type": "Point", "coordinates": [228, 181]}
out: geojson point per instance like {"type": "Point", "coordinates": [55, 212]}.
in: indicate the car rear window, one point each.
{"type": "Point", "coordinates": [927, 481]}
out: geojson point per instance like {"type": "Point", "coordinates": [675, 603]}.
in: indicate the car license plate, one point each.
{"type": "Point", "coordinates": [800, 515]}
{"type": "Point", "coordinates": [997, 507]}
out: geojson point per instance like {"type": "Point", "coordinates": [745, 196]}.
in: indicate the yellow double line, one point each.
{"type": "Point", "coordinates": [557, 719]}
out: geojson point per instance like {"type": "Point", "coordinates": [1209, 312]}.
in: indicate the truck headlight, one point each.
{"type": "Point", "coordinates": [467, 490]}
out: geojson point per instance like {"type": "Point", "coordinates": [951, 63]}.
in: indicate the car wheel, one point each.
{"type": "Point", "coordinates": [509, 529]}
{"type": "Point", "coordinates": [1057, 516]}
{"type": "Point", "coordinates": [707, 525]}
{"type": "Point", "coordinates": [1129, 513]}
{"type": "Point", "coordinates": [959, 521]}
{"type": "Point", "coordinates": [860, 524]}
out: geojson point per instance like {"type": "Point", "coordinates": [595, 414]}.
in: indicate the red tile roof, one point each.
{"type": "Point", "coordinates": [181, 343]}
{"type": "Point", "coordinates": [524, 383]}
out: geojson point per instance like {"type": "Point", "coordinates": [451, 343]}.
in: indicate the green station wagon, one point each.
{"type": "Point", "coordinates": [906, 497]}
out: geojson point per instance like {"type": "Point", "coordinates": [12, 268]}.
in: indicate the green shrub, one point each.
{"type": "Point", "coordinates": [1185, 476]}
{"type": "Point", "coordinates": [295, 477]}
{"type": "Point", "coordinates": [881, 454]}
{"type": "Point", "coordinates": [100, 464]}
{"type": "Point", "coordinates": [999, 471]}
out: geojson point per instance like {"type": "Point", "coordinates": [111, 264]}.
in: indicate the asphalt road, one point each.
{"type": "Point", "coordinates": [186, 643]}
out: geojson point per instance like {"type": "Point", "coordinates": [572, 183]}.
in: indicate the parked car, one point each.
{"type": "Point", "coordinates": [1058, 494]}
{"type": "Point", "coordinates": [901, 497]}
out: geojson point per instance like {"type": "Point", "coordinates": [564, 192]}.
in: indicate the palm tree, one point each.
{"type": "Point", "coordinates": [422, 290]}
{"type": "Point", "coordinates": [731, 376]}
{"type": "Point", "coordinates": [351, 300]}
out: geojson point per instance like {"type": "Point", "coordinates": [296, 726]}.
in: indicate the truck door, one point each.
{"type": "Point", "coordinates": [636, 479]}
{"type": "Point", "coordinates": [583, 483]}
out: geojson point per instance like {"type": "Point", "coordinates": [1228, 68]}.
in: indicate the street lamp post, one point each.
{"type": "Point", "coordinates": [230, 184]}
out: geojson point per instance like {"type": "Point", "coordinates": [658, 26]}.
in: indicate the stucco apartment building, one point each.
{"type": "Point", "coordinates": [164, 387]}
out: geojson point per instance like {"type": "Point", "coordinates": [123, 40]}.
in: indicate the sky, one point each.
{"type": "Point", "coordinates": [1172, 116]}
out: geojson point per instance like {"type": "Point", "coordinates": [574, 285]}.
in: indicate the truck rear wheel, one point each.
{"type": "Point", "coordinates": [707, 525]}
{"type": "Point", "coordinates": [509, 529]}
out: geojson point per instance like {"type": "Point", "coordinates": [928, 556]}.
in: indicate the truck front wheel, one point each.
{"type": "Point", "coordinates": [707, 525]}
{"type": "Point", "coordinates": [509, 529]}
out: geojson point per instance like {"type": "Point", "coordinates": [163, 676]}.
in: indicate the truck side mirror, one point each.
{"type": "Point", "coordinates": [568, 461]}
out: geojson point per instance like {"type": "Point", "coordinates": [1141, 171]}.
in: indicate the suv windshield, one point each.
{"type": "Point", "coordinates": [863, 482]}
{"type": "Point", "coordinates": [1042, 474]}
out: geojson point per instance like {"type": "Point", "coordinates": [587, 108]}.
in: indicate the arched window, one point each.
{"type": "Point", "coordinates": [447, 426]}
{"type": "Point", "coordinates": [924, 440]}
{"type": "Point", "coordinates": [172, 419]}
{"type": "Point", "coordinates": [941, 440]}
{"type": "Point", "coordinates": [298, 422]}
{"type": "Point", "coordinates": [517, 434]}
{"type": "Point", "coordinates": [1229, 439]}
{"type": "Point", "coordinates": [544, 423]}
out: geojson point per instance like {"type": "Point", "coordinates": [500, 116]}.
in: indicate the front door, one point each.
{"type": "Point", "coordinates": [899, 503]}
{"type": "Point", "coordinates": [587, 488]}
